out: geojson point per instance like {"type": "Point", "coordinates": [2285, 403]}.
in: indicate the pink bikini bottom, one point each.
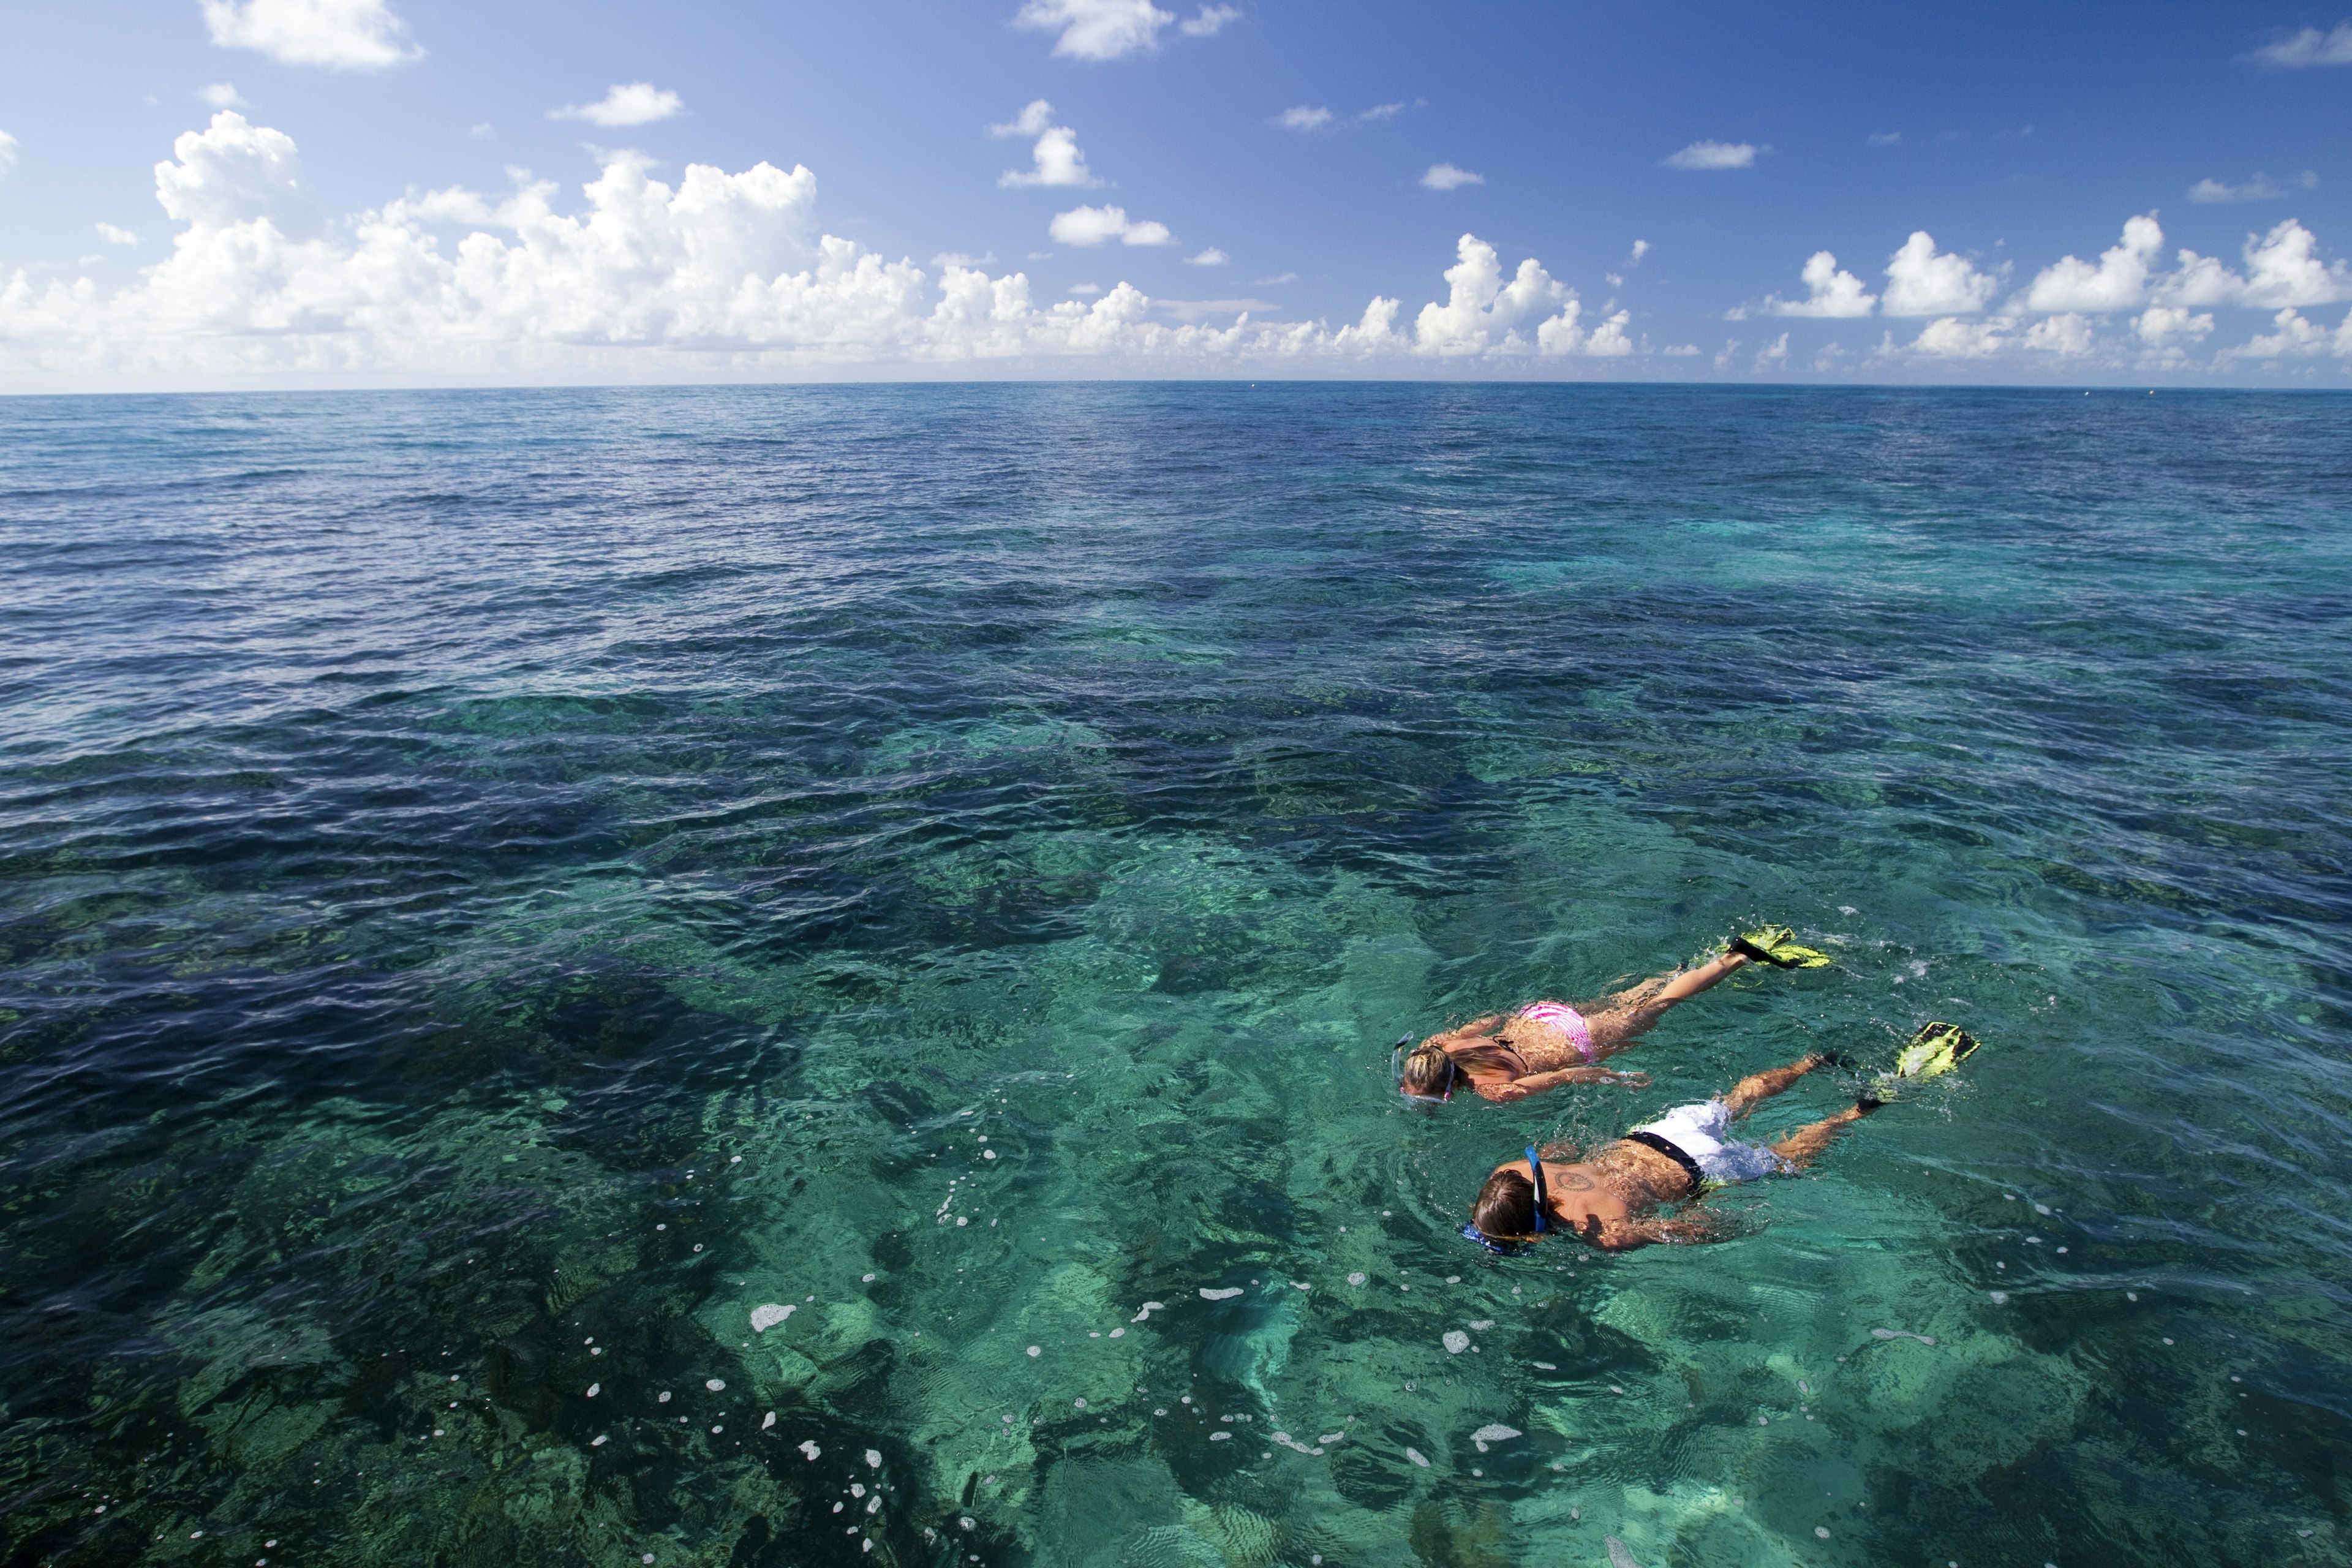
{"type": "Point", "coordinates": [1564, 1019]}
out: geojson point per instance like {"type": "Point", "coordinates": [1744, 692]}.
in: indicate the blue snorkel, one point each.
{"type": "Point", "coordinates": [1535, 1174]}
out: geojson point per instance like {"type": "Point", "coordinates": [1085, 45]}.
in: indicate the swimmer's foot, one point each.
{"type": "Point", "coordinates": [1777, 945]}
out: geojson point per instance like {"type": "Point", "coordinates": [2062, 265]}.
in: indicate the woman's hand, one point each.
{"type": "Point", "coordinates": [1621, 1080]}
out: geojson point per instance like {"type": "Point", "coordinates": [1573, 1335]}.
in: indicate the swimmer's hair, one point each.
{"type": "Point", "coordinates": [1428, 1070]}
{"type": "Point", "coordinates": [1505, 1209]}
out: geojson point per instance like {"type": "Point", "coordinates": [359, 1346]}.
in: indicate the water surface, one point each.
{"type": "Point", "coordinates": [496, 887]}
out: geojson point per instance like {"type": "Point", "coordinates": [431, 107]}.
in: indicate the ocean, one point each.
{"type": "Point", "coordinates": [806, 975]}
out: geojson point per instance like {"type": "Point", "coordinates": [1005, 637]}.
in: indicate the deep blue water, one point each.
{"type": "Point", "coordinates": [495, 887]}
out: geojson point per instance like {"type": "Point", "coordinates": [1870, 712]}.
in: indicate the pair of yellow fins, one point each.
{"type": "Point", "coordinates": [1934, 1051]}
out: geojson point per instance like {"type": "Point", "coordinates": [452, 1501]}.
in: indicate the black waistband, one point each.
{"type": "Point", "coordinates": [1649, 1140]}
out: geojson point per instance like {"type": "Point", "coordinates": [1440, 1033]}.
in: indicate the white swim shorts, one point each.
{"type": "Point", "coordinates": [1697, 1131]}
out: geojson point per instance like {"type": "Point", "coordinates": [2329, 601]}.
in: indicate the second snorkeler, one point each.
{"type": "Point", "coordinates": [1506, 1056]}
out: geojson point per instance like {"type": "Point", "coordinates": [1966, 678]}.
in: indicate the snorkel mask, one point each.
{"type": "Point", "coordinates": [1425, 1103]}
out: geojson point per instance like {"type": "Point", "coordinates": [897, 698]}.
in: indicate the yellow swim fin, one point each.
{"type": "Point", "coordinates": [1777, 945]}
{"type": "Point", "coordinates": [1934, 1051]}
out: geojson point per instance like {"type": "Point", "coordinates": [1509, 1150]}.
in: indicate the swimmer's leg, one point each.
{"type": "Point", "coordinates": [1799, 1147]}
{"type": "Point", "coordinates": [1631, 1014]}
{"type": "Point", "coordinates": [1754, 1090]}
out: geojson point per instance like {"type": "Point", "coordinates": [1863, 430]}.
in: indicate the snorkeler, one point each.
{"type": "Point", "coordinates": [1510, 1056]}
{"type": "Point", "coordinates": [1610, 1200]}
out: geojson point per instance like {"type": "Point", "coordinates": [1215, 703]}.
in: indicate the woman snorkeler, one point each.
{"type": "Point", "coordinates": [1506, 1056]}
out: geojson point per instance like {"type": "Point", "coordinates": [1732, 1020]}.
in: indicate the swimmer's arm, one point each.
{"type": "Point", "coordinates": [1694, 1229]}
{"type": "Point", "coordinates": [1475, 1029]}
{"type": "Point", "coordinates": [1537, 1082]}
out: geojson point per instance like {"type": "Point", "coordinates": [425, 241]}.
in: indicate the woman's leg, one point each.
{"type": "Point", "coordinates": [1799, 1147]}
{"type": "Point", "coordinates": [1754, 1090]}
{"type": "Point", "coordinates": [1631, 1014]}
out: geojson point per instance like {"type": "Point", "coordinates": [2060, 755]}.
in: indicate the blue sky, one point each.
{"type": "Point", "coordinates": [380, 191]}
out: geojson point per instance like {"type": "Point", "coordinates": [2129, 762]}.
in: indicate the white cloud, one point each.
{"type": "Point", "coordinates": [1716, 155]}
{"type": "Point", "coordinates": [1212, 256]}
{"type": "Point", "coordinates": [1200, 310]}
{"type": "Point", "coordinates": [1682, 350]}
{"type": "Point", "coordinates": [1920, 283]}
{"type": "Point", "coordinates": [1035, 117]}
{"type": "Point", "coordinates": [2292, 336]}
{"type": "Point", "coordinates": [341, 35]}
{"type": "Point", "coordinates": [2161, 326]}
{"type": "Point", "coordinates": [1096, 29]}
{"type": "Point", "coordinates": [1486, 314]}
{"type": "Point", "coordinates": [1304, 117]}
{"type": "Point", "coordinates": [2117, 283]}
{"type": "Point", "coordinates": [7, 153]}
{"type": "Point", "coordinates": [483, 132]}
{"type": "Point", "coordinates": [1773, 355]}
{"type": "Point", "coordinates": [1056, 160]}
{"type": "Point", "coordinates": [223, 95]}
{"type": "Point", "coordinates": [625, 103]}
{"type": "Point", "coordinates": [2065, 334]}
{"type": "Point", "coordinates": [2261, 188]}
{"type": "Point", "coordinates": [1446, 177]}
{"type": "Point", "coordinates": [1641, 248]}
{"type": "Point", "coordinates": [1209, 21]}
{"type": "Point", "coordinates": [1381, 111]}
{"type": "Point", "coordinates": [1833, 293]}
{"type": "Point", "coordinates": [234, 173]}
{"type": "Point", "coordinates": [1886, 139]}
{"type": "Point", "coordinates": [1096, 226]}
{"type": "Point", "coordinates": [113, 236]}
{"type": "Point", "coordinates": [2282, 269]}
{"type": "Point", "coordinates": [2309, 48]}
{"type": "Point", "coordinates": [1952, 338]}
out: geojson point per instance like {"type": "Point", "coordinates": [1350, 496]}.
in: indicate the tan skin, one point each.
{"type": "Point", "coordinates": [1610, 1200]}
{"type": "Point", "coordinates": [1553, 1057]}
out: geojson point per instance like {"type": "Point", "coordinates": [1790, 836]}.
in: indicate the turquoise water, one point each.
{"type": "Point", "coordinates": [495, 888]}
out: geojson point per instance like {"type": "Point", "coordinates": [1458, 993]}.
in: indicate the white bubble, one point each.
{"type": "Point", "coordinates": [714, 1383]}
{"type": "Point", "coordinates": [768, 1314]}
{"type": "Point", "coordinates": [873, 1460]}
{"type": "Point", "coordinates": [1227, 1294]}
{"type": "Point", "coordinates": [869, 1279]}
{"type": "Point", "coordinates": [663, 1397]}
{"type": "Point", "coordinates": [1455, 1341]}
{"type": "Point", "coordinates": [1355, 1279]}
{"type": "Point", "coordinates": [592, 1388]}
{"type": "Point", "coordinates": [770, 1421]}
{"type": "Point", "coordinates": [1037, 1350]}
{"type": "Point", "coordinates": [2000, 1298]}
{"type": "Point", "coordinates": [1119, 1333]}
{"type": "Point", "coordinates": [600, 1442]}
{"type": "Point", "coordinates": [1416, 1456]}
{"type": "Point", "coordinates": [1821, 1530]}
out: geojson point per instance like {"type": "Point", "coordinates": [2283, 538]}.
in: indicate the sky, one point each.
{"type": "Point", "coordinates": [288, 192]}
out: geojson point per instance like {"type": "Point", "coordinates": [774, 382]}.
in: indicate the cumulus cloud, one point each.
{"type": "Point", "coordinates": [2293, 336]}
{"type": "Point", "coordinates": [2309, 48]}
{"type": "Point", "coordinates": [1098, 226]}
{"type": "Point", "coordinates": [2261, 188]}
{"type": "Point", "coordinates": [113, 236]}
{"type": "Point", "coordinates": [7, 153]}
{"type": "Point", "coordinates": [340, 35]}
{"type": "Point", "coordinates": [1054, 159]}
{"type": "Point", "coordinates": [1952, 338]}
{"type": "Point", "coordinates": [2283, 270]}
{"type": "Point", "coordinates": [1212, 256]}
{"type": "Point", "coordinates": [222, 95]}
{"type": "Point", "coordinates": [1209, 21]}
{"type": "Point", "coordinates": [2118, 282]}
{"type": "Point", "coordinates": [721, 272]}
{"type": "Point", "coordinates": [1381, 111]}
{"type": "Point", "coordinates": [1921, 281]}
{"type": "Point", "coordinates": [1446, 177]}
{"type": "Point", "coordinates": [1716, 155]}
{"type": "Point", "coordinates": [1097, 29]}
{"type": "Point", "coordinates": [1831, 292]}
{"type": "Point", "coordinates": [2067, 334]}
{"type": "Point", "coordinates": [625, 103]}
{"type": "Point", "coordinates": [1304, 117]}
{"type": "Point", "coordinates": [2166, 326]}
